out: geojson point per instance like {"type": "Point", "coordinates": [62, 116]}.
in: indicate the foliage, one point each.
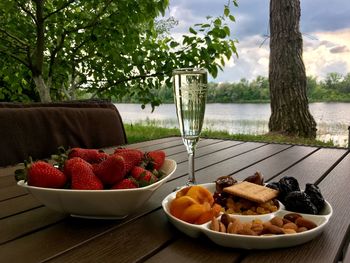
{"type": "Point", "coordinates": [335, 87]}
{"type": "Point", "coordinates": [138, 132]}
{"type": "Point", "coordinates": [106, 49]}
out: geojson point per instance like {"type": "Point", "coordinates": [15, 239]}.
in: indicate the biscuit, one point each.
{"type": "Point", "coordinates": [252, 192]}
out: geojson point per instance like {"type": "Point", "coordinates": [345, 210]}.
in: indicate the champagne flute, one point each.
{"type": "Point", "coordinates": [190, 94]}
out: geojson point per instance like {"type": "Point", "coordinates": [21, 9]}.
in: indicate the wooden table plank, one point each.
{"type": "Point", "coordinates": [314, 166]}
{"type": "Point", "coordinates": [123, 244]}
{"type": "Point", "coordinates": [18, 205]}
{"type": "Point", "coordinates": [27, 222]}
{"type": "Point", "coordinates": [189, 250]}
{"type": "Point", "coordinates": [41, 245]}
{"type": "Point", "coordinates": [277, 163]}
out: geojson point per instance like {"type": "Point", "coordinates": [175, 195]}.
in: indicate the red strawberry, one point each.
{"type": "Point", "coordinates": [143, 176]}
{"type": "Point", "coordinates": [126, 183]}
{"type": "Point", "coordinates": [156, 159]}
{"type": "Point", "coordinates": [137, 172]}
{"type": "Point", "coordinates": [43, 174]}
{"type": "Point", "coordinates": [68, 164]}
{"type": "Point", "coordinates": [83, 178]}
{"type": "Point", "coordinates": [132, 157]}
{"type": "Point", "coordinates": [111, 170]}
{"type": "Point", "coordinates": [89, 155]}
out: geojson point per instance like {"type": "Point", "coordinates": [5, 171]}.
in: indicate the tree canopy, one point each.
{"type": "Point", "coordinates": [57, 49]}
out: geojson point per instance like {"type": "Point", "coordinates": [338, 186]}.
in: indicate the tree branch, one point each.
{"type": "Point", "coordinates": [15, 57]}
{"type": "Point", "coordinates": [108, 85]}
{"type": "Point", "coordinates": [14, 37]}
{"type": "Point", "coordinates": [26, 11]}
{"type": "Point", "coordinates": [54, 53]}
{"type": "Point", "coordinates": [59, 9]}
{"type": "Point", "coordinates": [93, 23]}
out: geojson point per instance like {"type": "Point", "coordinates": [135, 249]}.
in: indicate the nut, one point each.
{"type": "Point", "coordinates": [272, 229]}
{"type": "Point", "coordinates": [277, 221]}
{"type": "Point", "coordinates": [234, 227]}
{"type": "Point", "coordinates": [222, 227]}
{"type": "Point", "coordinates": [289, 231]}
{"type": "Point", "coordinates": [301, 229]}
{"type": "Point", "coordinates": [215, 225]}
{"type": "Point", "coordinates": [290, 226]}
{"type": "Point", "coordinates": [226, 219]}
{"type": "Point", "coordinates": [247, 232]}
{"type": "Point", "coordinates": [303, 222]}
{"type": "Point", "coordinates": [292, 217]}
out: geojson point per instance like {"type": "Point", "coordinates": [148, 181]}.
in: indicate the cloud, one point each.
{"type": "Point", "coordinates": [329, 53]}
{"type": "Point", "coordinates": [339, 49]}
{"type": "Point", "coordinates": [325, 27]}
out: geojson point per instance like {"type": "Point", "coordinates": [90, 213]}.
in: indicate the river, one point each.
{"type": "Point", "coordinates": [332, 119]}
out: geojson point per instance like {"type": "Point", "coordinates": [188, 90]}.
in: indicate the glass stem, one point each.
{"type": "Point", "coordinates": [191, 178]}
{"type": "Point", "coordinates": [190, 147]}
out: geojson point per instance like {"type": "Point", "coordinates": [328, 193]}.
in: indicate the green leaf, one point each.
{"type": "Point", "coordinates": [232, 18]}
{"type": "Point", "coordinates": [192, 31]}
{"type": "Point", "coordinates": [226, 11]}
{"type": "Point", "coordinates": [217, 22]}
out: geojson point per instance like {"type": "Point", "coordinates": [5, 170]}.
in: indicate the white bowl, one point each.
{"type": "Point", "coordinates": [101, 204]}
{"type": "Point", "coordinates": [251, 242]}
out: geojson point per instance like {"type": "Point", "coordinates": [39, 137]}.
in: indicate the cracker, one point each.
{"type": "Point", "coordinates": [253, 192]}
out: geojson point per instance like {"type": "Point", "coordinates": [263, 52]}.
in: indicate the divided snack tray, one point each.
{"type": "Point", "coordinates": [251, 242]}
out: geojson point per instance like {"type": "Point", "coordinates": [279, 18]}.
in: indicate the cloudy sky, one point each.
{"type": "Point", "coordinates": [325, 26]}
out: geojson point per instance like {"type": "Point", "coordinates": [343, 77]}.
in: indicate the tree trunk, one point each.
{"type": "Point", "coordinates": [44, 91]}
{"type": "Point", "coordinates": [37, 59]}
{"type": "Point", "coordinates": [290, 113]}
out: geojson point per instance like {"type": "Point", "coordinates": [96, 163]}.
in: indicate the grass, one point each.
{"type": "Point", "coordinates": [140, 132]}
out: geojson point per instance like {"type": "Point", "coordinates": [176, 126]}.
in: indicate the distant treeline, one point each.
{"type": "Point", "coordinates": [334, 87]}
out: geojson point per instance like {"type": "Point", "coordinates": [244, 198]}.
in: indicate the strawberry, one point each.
{"type": "Point", "coordinates": [43, 174]}
{"type": "Point", "coordinates": [89, 155]}
{"type": "Point", "coordinates": [126, 183]}
{"type": "Point", "coordinates": [132, 157]}
{"type": "Point", "coordinates": [143, 176]}
{"type": "Point", "coordinates": [83, 178]}
{"type": "Point", "coordinates": [111, 170]}
{"type": "Point", "coordinates": [68, 164]}
{"type": "Point", "coordinates": [137, 172]}
{"type": "Point", "coordinates": [156, 159]}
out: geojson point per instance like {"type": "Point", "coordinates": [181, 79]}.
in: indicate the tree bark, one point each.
{"type": "Point", "coordinates": [290, 113]}
{"type": "Point", "coordinates": [38, 56]}
{"type": "Point", "coordinates": [43, 90]}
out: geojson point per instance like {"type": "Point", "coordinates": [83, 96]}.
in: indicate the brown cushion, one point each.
{"type": "Point", "coordinates": [37, 130]}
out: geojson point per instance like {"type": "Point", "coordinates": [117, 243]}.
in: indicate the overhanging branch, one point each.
{"type": "Point", "coordinates": [110, 84]}
{"type": "Point", "coordinates": [26, 11]}
{"type": "Point", "coordinates": [59, 9]}
{"type": "Point", "coordinates": [15, 57]}
{"type": "Point", "coordinates": [13, 37]}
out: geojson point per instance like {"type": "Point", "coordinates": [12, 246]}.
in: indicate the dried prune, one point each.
{"type": "Point", "coordinates": [220, 198]}
{"type": "Point", "coordinates": [315, 195]}
{"type": "Point", "coordinates": [287, 184]}
{"type": "Point", "coordinates": [224, 181]}
{"type": "Point", "coordinates": [256, 178]}
{"type": "Point", "coordinates": [274, 185]}
{"type": "Point", "coordinates": [298, 201]}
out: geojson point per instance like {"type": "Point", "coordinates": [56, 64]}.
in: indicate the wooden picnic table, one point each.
{"type": "Point", "coordinates": [30, 232]}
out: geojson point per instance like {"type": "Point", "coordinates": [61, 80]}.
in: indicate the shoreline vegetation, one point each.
{"type": "Point", "coordinates": [139, 132]}
{"type": "Point", "coordinates": [334, 88]}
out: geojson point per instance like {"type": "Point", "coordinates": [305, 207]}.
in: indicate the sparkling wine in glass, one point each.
{"type": "Point", "coordinates": [190, 94]}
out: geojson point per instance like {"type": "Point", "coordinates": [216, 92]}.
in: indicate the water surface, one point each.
{"type": "Point", "coordinates": [332, 119]}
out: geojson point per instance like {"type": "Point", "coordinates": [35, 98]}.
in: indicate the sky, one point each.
{"type": "Point", "coordinates": [325, 26]}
